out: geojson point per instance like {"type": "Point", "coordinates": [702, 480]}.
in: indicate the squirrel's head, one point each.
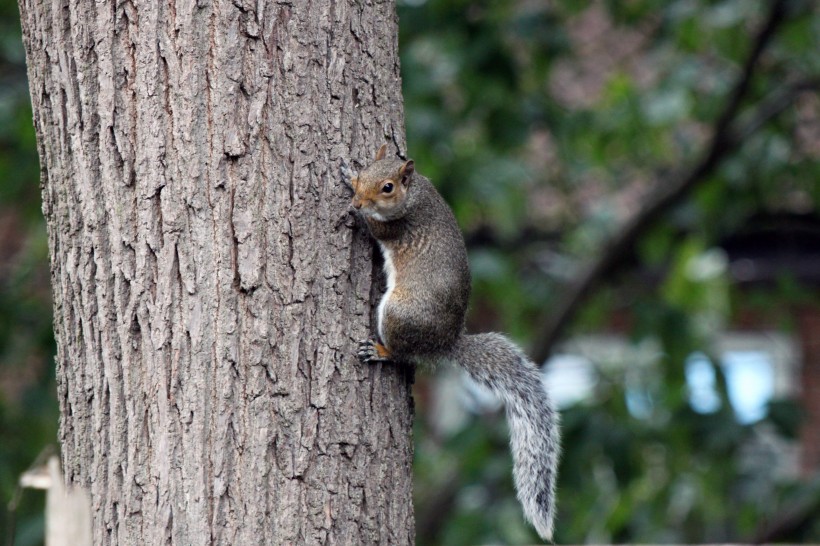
{"type": "Point", "coordinates": [380, 190]}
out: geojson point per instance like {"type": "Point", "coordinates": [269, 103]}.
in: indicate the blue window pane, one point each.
{"type": "Point", "coordinates": [701, 380]}
{"type": "Point", "coordinates": [750, 381]}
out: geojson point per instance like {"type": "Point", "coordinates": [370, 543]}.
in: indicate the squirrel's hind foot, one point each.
{"type": "Point", "coordinates": [371, 351]}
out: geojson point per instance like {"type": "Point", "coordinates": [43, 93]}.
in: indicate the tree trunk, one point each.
{"type": "Point", "coordinates": [209, 283]}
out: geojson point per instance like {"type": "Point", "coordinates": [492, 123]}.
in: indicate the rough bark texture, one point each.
{"type": "Point", "coordinates": [208, 282]}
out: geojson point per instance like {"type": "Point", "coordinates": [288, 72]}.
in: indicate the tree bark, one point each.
{"type": "Point", "coordinates": [209, 283]}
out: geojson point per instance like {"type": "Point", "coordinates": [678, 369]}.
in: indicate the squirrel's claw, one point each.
{"type": "Point", "coordinates": [371, 352]}
{"type": "Point", "coordinates": [348, 174]}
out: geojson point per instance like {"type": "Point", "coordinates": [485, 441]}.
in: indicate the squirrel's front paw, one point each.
{"type": "Point", "coordinates": [371, 351]}
{"type": "Point", "coordinates": [347, 173]}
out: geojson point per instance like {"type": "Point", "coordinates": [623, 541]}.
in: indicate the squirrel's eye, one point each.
{"type": "Point", "coordinates": [387, 188]}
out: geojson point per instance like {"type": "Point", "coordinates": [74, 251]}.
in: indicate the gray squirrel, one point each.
{"type": "Point", "coordinates": [421, 319]}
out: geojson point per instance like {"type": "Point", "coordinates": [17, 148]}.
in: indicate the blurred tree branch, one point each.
{"type": "Point", "coordinates": [433, 511]}
{"type": "Point", "coordinates": [802, 513]}
{"type": "Point", "coordinates": [728, 134]}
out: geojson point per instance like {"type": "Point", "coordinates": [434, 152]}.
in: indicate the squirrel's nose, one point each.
{"type": "Point", "coordinates": [357, 204]}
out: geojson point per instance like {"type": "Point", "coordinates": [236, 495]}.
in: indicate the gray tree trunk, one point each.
{"type": "Point", "coordinates": [208, 283]}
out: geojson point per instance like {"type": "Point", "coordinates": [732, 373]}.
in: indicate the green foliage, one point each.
{"type": "Point", "coordinates": [556, 119]}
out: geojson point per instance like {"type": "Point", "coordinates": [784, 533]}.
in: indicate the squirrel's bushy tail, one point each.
{"type": "Point", "coordinates": [497, 363]}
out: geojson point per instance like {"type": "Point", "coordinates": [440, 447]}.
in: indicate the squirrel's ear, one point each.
{"type": "Point", "coordinates": [407, 170]}
{"type": "Point", "coordinates": [381, 153]}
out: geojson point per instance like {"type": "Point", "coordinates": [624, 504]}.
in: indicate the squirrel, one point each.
{"type": "Point", "coordinates": [421, 318]}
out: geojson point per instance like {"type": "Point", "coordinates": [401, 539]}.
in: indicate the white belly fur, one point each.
{"type": "Point", "coordinates": [390, 273]}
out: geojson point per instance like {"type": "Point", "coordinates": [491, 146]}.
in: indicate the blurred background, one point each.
{"type": "Point", "coordinates": [638, 183]}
